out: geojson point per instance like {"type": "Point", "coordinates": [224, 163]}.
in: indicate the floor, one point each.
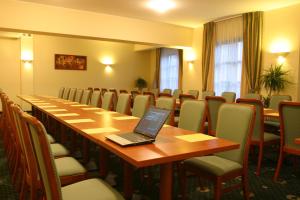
{"type": "Point", "coordinates": [288, 187]}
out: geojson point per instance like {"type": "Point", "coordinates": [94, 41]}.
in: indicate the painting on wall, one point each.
{"type": "Point", "coordinates": [70, 62]}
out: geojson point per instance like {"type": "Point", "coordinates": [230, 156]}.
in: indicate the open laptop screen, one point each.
{"type": "Point", "coordinates": [152, 121]}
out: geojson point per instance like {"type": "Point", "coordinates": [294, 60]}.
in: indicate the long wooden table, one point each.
{"type": "Point", "coordinates": [96, 123]}
{"type": "Point", "coordinates": [270, 113]}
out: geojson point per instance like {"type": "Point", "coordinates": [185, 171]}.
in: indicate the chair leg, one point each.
{"type": "Point", "coordinates": [245, 186]}
{"type": "Point", "coordinates": [279, 163]}
{"type": "Point", "coordinates": [260, 155]}
{"type": "Point", "coordinates": [218, 189]}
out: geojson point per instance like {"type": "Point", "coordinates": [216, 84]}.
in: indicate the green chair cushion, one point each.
{"type": "Point", "coordinates": [213, 164]}
{"type": "Point", "coordinates": [270, 137]}
{"type": "Point", "coordinates": [92, 189]}
{"type": "Point", "coordinates": [58, 150]}
{"type": "Point", "coordinates": [67, 166]}
{"type": "Point", "coordinates": [272, 123]}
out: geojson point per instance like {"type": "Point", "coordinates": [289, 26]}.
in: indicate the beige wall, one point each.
{"type": "Point", "coordinates": [282, 25]}
{"type": "Point", "coordinates": [34, 17]}
{"type": "Point", "coordinates": [10, 67]}
{"type": "Point", "coordinates": [128, 64]}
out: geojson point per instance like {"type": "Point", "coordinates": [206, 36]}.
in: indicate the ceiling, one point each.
{"type": "Point", "coordinates": [189, 13]}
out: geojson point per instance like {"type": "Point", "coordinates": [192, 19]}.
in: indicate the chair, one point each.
{"type": "Point", "coordinates": [90, 88]}
{"type": "Point", "coordinates": [134, 93]}
{"type": "Point", "coordinates": [167, 91]}
{"type": "Point", "coordinates": [176, 93]}
{"type": "Point", "coordinates": [145, 90]}
{"type": "Point", "coordinates": [140, 105]}
{"type": "Point", "coordinates": [96, 99]}
{"type": "Point", "coordinates": [260, 138]}
{"type": "Point", "coordinates": [213, 105]}
{"type": "Point", "coordinates": [154, 91]}
{"type": "Point", "coordinates": [162, 94]}
{"type": "Point", "coordinates": [107, 101]}
{"type": "Point", "coordinates": [123, 91]}
{"type": "Point", "coordinates": [86, 97]}
{"type": "Point", "coordinates": [207, 93]}
{"type": "Point", "coordinates": [192, 116]}
{"type": "Point", "coordinates": [123, 105]}
{"type": "Point", "coordinates": [61, 92]}
{"type": "Point", "coordinates": [169, 104]}
{"type": "Point", "coordinates": [103, 90]}
{"type": "Point", "coordinates": [289, 114]}
{"type": "Point", "coordinates": [78, 95]}
{"type": "Point", "coordinates": [92, 188]}
{"type": "Point", "coordinates": [115, 98]}
{"type": "Point", "coordinates": [72, 94]}
{"type": "Point", "coordinates": [253, 96]}
{"type": "Point", "coordinates": [235, 123]}
{"type": "Point", "coordinates": [229, 96]}
{"type": "Point", "coordinates": [66, 93]}
{"type": "Point", "coordinates": [183, 97]}
{"type": "Point", "coordinates": [96, 89]}
{"type": "Point", "coordinates": [152, 97]}
{"type": "Point", "coordinates": [195, 93]}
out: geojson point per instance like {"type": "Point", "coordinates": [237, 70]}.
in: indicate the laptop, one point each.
{"type": "Point", "coordinates": [145, 131]}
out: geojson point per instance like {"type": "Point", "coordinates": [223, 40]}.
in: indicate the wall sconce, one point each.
{"type": "Point", "coordinates": [107, 61]}
{"type": "Point", "coordinates": [26, 57]}
{"type": "Point", "coordinates": [281, 57]}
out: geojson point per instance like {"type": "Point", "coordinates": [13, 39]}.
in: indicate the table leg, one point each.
{"type": "Point", "coordinates": [128, 172]}
{"type": "Point", "coordinates": [166, 175]}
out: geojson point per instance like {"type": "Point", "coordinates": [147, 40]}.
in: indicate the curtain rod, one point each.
{"type": "Point", "coordinates": [227, 17]}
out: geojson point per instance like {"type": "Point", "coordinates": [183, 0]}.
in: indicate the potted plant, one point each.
{"type": "Point", "coordinates": [140, 83]}
{"type": "Point", "coordinates": [274, 80]}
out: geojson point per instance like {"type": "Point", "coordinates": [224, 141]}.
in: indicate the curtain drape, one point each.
{"type": "Point", "coordinates": [208, 56]}
{"type": "Point", "coordinates": [180, 57]}
{"type": "Point", "coordinates": [157, 69]}
{"type": "Point", "coordinates": [252, 51]}
{"type": "Point", "coordinates": [228, 56]}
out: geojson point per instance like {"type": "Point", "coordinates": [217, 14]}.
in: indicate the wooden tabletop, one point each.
{"type": "Point", "coordinates": [271, 113]}
{"type": "Point", "coordinates": [166, 149]}
{"type": "Point", "coordinates": [297, 140]}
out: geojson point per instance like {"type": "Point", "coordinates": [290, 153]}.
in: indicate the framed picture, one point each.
{"type": "Point", "coordinates": [70, 62]}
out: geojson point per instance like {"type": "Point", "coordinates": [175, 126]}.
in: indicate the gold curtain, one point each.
{"type": "Point", "coordinates": [208, 48]}
{"type": "Point", "coordinates": [252, 52]}
{"type": "Point", "coordinates": [156, 80]}
{"type": "Point", "coordinates": [180, 58]}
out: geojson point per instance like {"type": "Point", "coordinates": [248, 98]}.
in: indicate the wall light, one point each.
{"type": "Point", "coordinates": [280, 48]}
{"type": "Point", "coordinates": [26, 56]}
{"type": "Point", "coordinates": [107, 61]}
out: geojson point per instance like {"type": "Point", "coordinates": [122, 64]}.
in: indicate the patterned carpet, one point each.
{"type": "Point", "coordinates": [288, 187]}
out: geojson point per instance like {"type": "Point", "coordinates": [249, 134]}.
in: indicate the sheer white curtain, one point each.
{"type": "Point", "coordinates": [228, 56]}
{"type": "Point", "coordinates": [169, 69]}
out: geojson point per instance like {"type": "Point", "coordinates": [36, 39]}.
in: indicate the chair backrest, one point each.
{"type": "Point", "coordinates": [213, 105]}
{"type": "Point", "coordinates": [289, 113]}
{"type": "Point", "coordinates": [96, 89]}
{"type": "Point", "coordinates": [258, 129]}
{"type": "Point", "coordinates": [95, 98]}
{"type": "Point", "coordinates": [276, 99]}
{"type": "Point", "coordinates": [61, 92]}
{"type": "Point", "coordinates": [107, 101]}
{"type": "Point", "coordinates": [154, 91]}
{"type": "Point", "coordinates": [78, 95]}
{"type": "Point", "coordinates": [134, 93]}
{"type": "Point", "coordinates": [43, 156]}
{"type": "Point", "coordinates": [123, 105]}
{"type": "Point", "coordinates": [152, 98]}
{"type": "Point", "coordinates": [207, 93]}
{"type": "Point", "coordinates": [115, 98]}
{"type": "Point", "coordinates": [72, 94]}
{"type": "Point", "coordinates": [140, 105]}
{"type": "Point", "coordinates": [66, 93]}
{"type": "Point", "coordinates": [145, 90]}
{"type": "Point", "coordinates": [229, 96]}
{"type": "Point", "coordinates": [195, 93]}
{"type": "Point", "coordinates": [192, 116]}
{"type": "Point", "coordinates": [162, 94]}
{"type": "Point", "coordinates": [86, 97]}
{"type": "Point", "coordinates": [90, 88]}
{"type": "Point", "coordinates": [123, 91]}
{"type": "Point", "coordinates": [253, 96]}
{"type": "Point", "coordinates": [169, 104]}
{"type": "Point", "coordinates": [176, 93]}
{"type": "Point", "coordinates": [167, 91]}
{"type": "Point", "coordinates": [183, 97]}
{"type": "Point", "coordinates": [103, 90]}
{"type": "Point", "coordinates": [235, 123]}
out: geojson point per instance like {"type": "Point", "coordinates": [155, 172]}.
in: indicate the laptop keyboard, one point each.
{"type": "Point", "coordinates": [134, 137]}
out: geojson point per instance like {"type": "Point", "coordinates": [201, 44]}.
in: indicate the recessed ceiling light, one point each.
{"type": "Point", "coordinates": [161, 6]}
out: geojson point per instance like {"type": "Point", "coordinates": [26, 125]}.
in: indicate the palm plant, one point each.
{"type": "Point", "coordinates": [274, 80]}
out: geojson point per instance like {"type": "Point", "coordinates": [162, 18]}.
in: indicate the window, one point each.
{"type": "Point", "coordinates": [228, 56]}
{"type": "Point", "coordinates": [228, 67]}
{"type": "Point", "coordinates": [169, 69]}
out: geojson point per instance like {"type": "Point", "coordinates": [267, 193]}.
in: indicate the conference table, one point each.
{"type": "Point", "coordinates": [271, 113]}
{"type": "Point", "coordinates": [171, 145]}
{"type": "Point", "coordinates": [297, 140]}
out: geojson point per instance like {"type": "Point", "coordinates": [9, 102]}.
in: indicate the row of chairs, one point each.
{"type": "Point", "coordinates": [38, 167]}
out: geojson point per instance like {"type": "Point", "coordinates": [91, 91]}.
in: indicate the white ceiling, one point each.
{"type": "Point", "coordinates": [190, 13]}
